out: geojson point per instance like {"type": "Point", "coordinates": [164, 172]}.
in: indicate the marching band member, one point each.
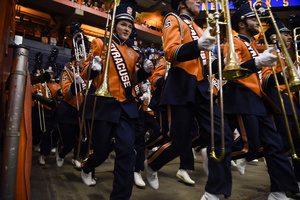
{"type": "Point", "coordinates": [157, 138]}
{"type": "Point", "coordinates": [52, 91]}
{"type": "Point", "coordinates": [269, 85]}
{"type": "Point", "coordinates": [66, 115]}
{"type": "Point", "coordinates": [142, 125]}
{"type": "Point", "coordinates": [115, 116]}
{"type": "Point", "coordinates": [245, 109]}
{"type": "Point", "coordinates": [187, 97]}
{"type": "Point", "coordinates": [67, 120]}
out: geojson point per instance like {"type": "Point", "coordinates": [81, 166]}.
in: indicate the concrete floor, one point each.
{"type": "Point", "coordinates": [49, 182]}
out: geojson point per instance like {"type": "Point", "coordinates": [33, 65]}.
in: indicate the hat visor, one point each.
{"type": "Point", "coordinates": [125, 17]}
{"type": "Point", "coordinates": [285, 29]}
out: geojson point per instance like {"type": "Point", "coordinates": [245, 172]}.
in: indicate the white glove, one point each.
{"type": "Point", "coordinates": [206, 42]}
{"type": "Point", "coordinates": [144, 88]}
{"type": "Point", "coordinates": [78, 78]}
{"type": "Point", "coordinates": [145, 96]}
{"type": "Point", "coordinates": [97, 64]}
{"type": "Point", "coordinates": [148, 65]}
{"type": "Point", "coordinates": [266, 59]}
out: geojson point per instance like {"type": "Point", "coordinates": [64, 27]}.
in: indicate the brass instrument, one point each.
{"type": "Point", "coordinates": [232, 71]}
{"type": "Point", "coordinates": [102, 90]}
{"type": "Point", "coordinates": [294, 77]}
{"type": "Point", "coordinates": [41, 106]}
{"type": "Point", "coordinates": [79, 49]}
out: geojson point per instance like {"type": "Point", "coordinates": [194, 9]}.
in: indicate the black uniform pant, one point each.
{"type": "Point", "coordinates": [281, 128]}
{"type": "Point", "coordinates": [69, 134]}
{"type": "Point", "coordinates": [46, 137]}
{"type": "Point", "coordinates": [182, 116]}
{"type": "Point", "coordinates": [257, 132]}
{"type": "Point", "coordinates": [157, 139]}
{"type": "Point", "coordinates": [125, 155]}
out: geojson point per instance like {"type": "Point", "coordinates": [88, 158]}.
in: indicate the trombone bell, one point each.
{"type": "Point", "coordinates": [235, 73]}
{"type": "Point", "coordinates": [102, 91]}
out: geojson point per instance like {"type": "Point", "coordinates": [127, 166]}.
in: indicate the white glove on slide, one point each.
{"type": "Point", "coordinates": [206, 42]}
{"type": "Point", "coordinates": [97, 64]}
{"type": "Point", "coordinates": [266, 59]}
{"type": "Point", "coordinates": [78, 78]}
{"type": "Point", "coordinates": [148, 65]}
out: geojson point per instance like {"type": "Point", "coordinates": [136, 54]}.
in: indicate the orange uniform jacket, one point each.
{"type": "Point", "coordinates": [67, 109]}
{"type": "Point", "coordinates": [239, 94]}
{"type": "Point", "coordinates": [186, 74]}
{"type": "Point", "coordinates": [53, 87]}
{"type": "Point", "coordinates": [157, 82]}
{"type": "Point", "coordinates": [109, 109]}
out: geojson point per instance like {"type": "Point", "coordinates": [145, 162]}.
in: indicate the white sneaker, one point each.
{"type": "Point", "coordinates": [42, 160]}
{"type": "Point", "coordinates": [154, 149]}
{"type": "Point", "coordinates": [194, 154]}
{"type": "Point", "coordinates": [77, 164]}
{"type": "Point", "coordinates": [205, 160]}
{"type": "Point", "coordinates": [241, 165]}
{"type": "Point", "coordinates": [183, 175]}
{"type": "Point", "coordinates": [233, 163]}
{"type": "Point", "coordinates": [59, 160]}
{"type": "Point", "coordinates": [272, 196]}
{"type": "Point", "coordinates": [93, 182]}
{"type": "Point", "coordinates": [53, 150]}
{"type": "Point", "coordinates": [209, 196]}
{"type": "Point", "coordinates": [138, 179]}
{"type": "Point", "coordinates": [87, 178]}
{"type": "Point", "coordinates": [255, 160]}
{"type": "Point", "coordinates": [152, 177]}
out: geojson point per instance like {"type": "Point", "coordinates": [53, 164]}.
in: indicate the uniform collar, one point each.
{"type": "Point", "coordinates": [186, 16]}
{"type": "Point", "coordinates": [118, 41]}
{"type": "Point", "coordinates": [244, 37]}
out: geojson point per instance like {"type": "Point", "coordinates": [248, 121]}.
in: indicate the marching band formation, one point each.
{"type": "Point", "coordinates": [240, 106]}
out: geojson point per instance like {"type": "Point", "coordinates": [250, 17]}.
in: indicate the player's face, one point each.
{"type": "Point", "coordinates": [124, 28]}
{"type": "Point", "coordinates": [194, 6]}
{"type": "Point", "coordinates": [51, 75]}
{"type": "Point", "coordinates": [286, 37]}
{"type": "Point", "coordinates": [253, 26]}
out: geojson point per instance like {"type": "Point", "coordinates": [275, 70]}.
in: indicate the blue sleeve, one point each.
{"type": "Point", "coordinates": [187, 51]}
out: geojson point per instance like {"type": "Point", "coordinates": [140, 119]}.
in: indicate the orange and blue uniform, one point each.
{"type": "Point", "coordinates": [186, 94]}
{"type": "Point", "coordinates": [66, 114]}
{"type": "Point", "coordinates": [52, 89]}
{"type": "Point", "coordinates": [270, 89]}
{"type": "Point", "coordinates": [245, 107]}
{"type": "Point", "coordinates": [114, 117]}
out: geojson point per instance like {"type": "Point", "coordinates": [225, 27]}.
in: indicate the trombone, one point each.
{"type": "Point", "coordinates": [294, 84]}
{"type": "Point", "coordinates": [102, 90]}
{"type": "Point", "coordinates": [233, 71]}
{"type": "Point", "coordinates": [41, 106]}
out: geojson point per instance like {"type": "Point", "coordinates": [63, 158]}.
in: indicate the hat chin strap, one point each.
{"type": "Point", "coordinates": [188, 9]}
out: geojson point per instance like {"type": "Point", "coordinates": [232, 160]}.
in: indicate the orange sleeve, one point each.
{"type": "Point", "coordinates": [159, 71]}
{"type": "Point", "coordinates": [171, 38]}
{"type": "Point", "coordinates": [66, 83]}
